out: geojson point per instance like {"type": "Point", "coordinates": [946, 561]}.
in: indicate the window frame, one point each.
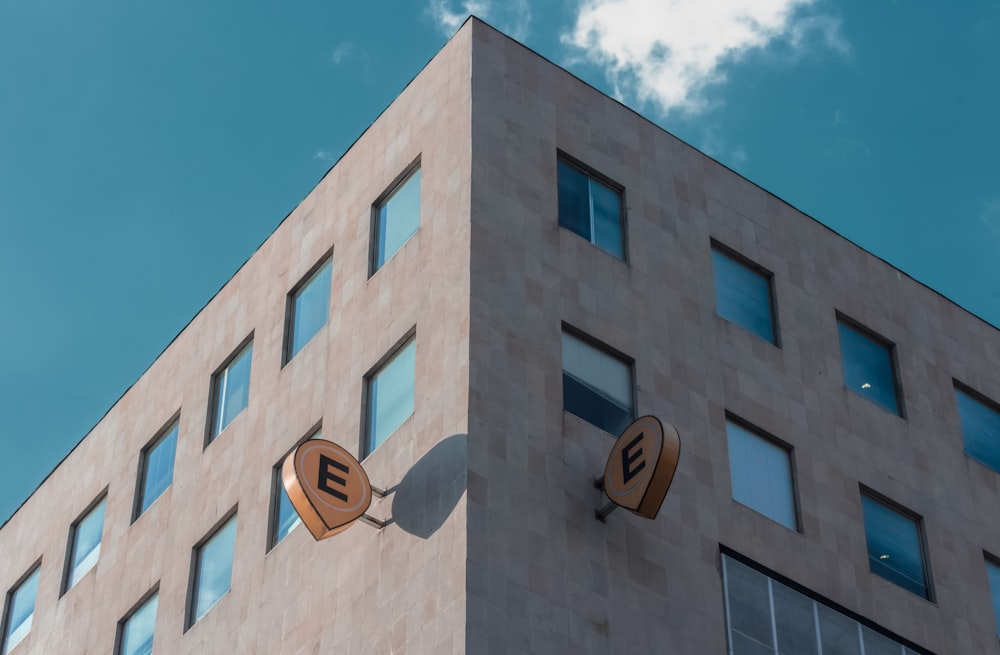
{"type": "Point", "coordinates": [789, 451]}
{"type": "Point", "coordinates": [213, 397]}
{"type": "Point", "coordinates": [140, 486]}
{"type": "Point", "coordinates": [753, 267]}
{"type": "Point", "coordinates": [366, 448]}
{"type": "Point", "coordinates": [609, 350]}
{"type": "Point", "coordinates": [918, 522]}
{"type": "Point", "coordinates": [120, 628]}
{"type": "Point", "coordinates": [380, 201]}
{"type": "Point", "coordinates": [194, 577]}
{"type": "Point", "coordinates": [994, 562]}
{"type": "Point", "coordinates": [890, 346]}
{"type": "Point", "coordinates": [988, 403]}
{"type": "Point", "coordinates": [617, 187]}
{"type": "Point", "coordinates": [289, 324]}
{"type": "Point", "coordinates": [315, 432]}
{"type": "Point", "coordinates": [8, 606]}
{"type": "Point", "coordinates": [65, 586]}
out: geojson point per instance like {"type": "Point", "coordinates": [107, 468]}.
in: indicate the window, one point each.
{"type": "Point", "coordinates": [156, 468]}
{"type": "Point", "coordinates": [761, 473]}
{"type": "Point", "coordinates": [230, 391]}
{"type": "Point", "coordinates": [743, 295]}
{"type": "Point", "coordinates": [213, 569]}
{"type": "Point", "coordinates": [19, 612]}
{"type": "Point", "coordinates": [135, 636]}
{"type": "Point", "coordinates": [390, 395]}
{"type": "Point", "coordinates": [766, 617]}
{"type": "Point", "coordinates": [868, 366]}
{"type": "Point", "coordinates": [993, 574]}
{"type": "Point", "coordinates": [85, 544]}
{"type": "Point", "coordinates": [308, 309]}
{"type": "Point", "coordinates": [285, 517]}
{"type": "Point", "coordinates": [591, 208]}
{"type": "Point", "coordinates": [597, 386]}
{"type": "Point", "coordinates": [980, 428]}
{"type": "Point", "coordinates": [895, 546]}
{"type": "Point", "coordinates": [397, 218]}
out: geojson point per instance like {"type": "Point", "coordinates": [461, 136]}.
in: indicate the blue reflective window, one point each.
{"type": "Point", "coordinates": [591, 209]}
{"type": "Point", "coordinates": [597, 386]}
{"type": "Point", "coordinates": [390, 395]}
{"type": "Point", "coordinates": [993, 573]}
{"type": "Point", "coordinates": [868, 367]}
{"type": "Point", "coordinates": [895, 550]}
{"type": "Point", "coordinates": [980, 429]}
{"type": "Point", "coordinates": [20, 611]}
{"type": "Point", "coordinates": [213, 569]}
{"type": "Point", "coordinates": [761, 474]}
{"type": "Point", "coordinates": [231, 391]}
{"type": "Point", "coordinates": [85, 547]}
{"type": "Point", "coordinates": [743, 296]}
{"type": "Point", "coordinates": [310, 307]}
{"type": "Point", "coordinates": [157, 468]}
{"type": "Point", "coordinates": [137, 629]}
{"type": "Point", "coordinates": [396, 219]}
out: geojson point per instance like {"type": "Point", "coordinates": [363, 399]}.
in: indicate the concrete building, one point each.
{"type": "Point", "coordinates": [503, 243]}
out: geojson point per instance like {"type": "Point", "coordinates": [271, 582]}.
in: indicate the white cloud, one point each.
{"type": "Point", "coordinates": [510, 16]}
{"type": "Point", "coordinates": [668, 52]}
{"type": "Point", "coordinates": [325, 155]}
{"type": "Point", "coordinates": [345, 50]}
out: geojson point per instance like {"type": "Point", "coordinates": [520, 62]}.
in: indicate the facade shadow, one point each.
{"type": "Point", "coordinates": [430, 490]}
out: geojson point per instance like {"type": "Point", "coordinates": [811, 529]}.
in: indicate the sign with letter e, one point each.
{"type": "Point", "coordinates": [641, 466]}
{"type": "Point", "coordinates": [327, 487]}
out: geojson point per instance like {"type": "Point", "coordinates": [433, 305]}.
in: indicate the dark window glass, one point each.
{"type": "Point", "coordinates": [993, 573]}
{"type": "Point", "coordinates": [980, 429]}
{"type": "Point", "coordinates": [157, 468]}
{"type": "Point", "coordinates": [137, 629]}
{"type": "Point", "coordinates": [895, 551]}
{"type": "Point", "coordinates": [309, 309]}
{"type": "Point", "coordinates": [231, 391]}
{"type": "Point", "coordinates": [868, 367]}
{"type": "Point", "coordinates": [743, 296]}
{"type": "Point", "coordinates": [761, 475]}
{"type": "Point", "coordinates": [397, 219]}
{"type": "Point", "coordinates": [597, 386]}
{"type": "Point", "coordinates": [591, 209]}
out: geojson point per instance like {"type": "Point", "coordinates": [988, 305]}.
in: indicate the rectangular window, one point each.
{"type": "Point", "coordinates": [135, 632]}
{"type": "Point", "coordinates": [85, 544]}
{"type": "Point", "coordinates": [230, 391]}
{"type": "Point", "coordinates": [396, 219]}
{"type": "Point", "coordinates": [743, 295]}
{"type": "Point", "coordinates": [993, 575]}
{"type": "Point", "coordinates": [895, 546]}
{"type": "Point", "coordinates": [869, 367]}
{"type": "Point", "coordinates": [591, 208]}
{"type": "Point", "coordinates": [761, 473]}
{"type": "Point", "coordinates": [213, 570]}
{"type": "Point", "coordinates": [156, 468]}
{"type": "Point", "coordinates": [980, 421]}
{"type": "Point", "coordinates": [308, 309]}
{"type": "Point", "coordinates": [390, 395]}
{"type": "Point", "coordinates": [597, 386]}
{"type": "Point", "coordinates": [20, 610]}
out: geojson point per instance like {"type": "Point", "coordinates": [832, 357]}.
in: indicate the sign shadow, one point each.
{"type": "Point", "coordinates": [428, 493]}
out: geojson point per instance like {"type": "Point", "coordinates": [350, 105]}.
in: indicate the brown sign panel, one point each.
{"type": "Point", "coordinates": [641, 466]}
{"type": "Point", "coordinates": [327, 487]}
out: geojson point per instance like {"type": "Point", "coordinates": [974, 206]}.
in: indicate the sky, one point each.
{"type": "Point", "coordinates": [147, 149]}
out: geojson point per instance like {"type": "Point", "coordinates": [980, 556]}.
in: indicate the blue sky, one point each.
{"type": "Point", "coordinates": [146, 149]}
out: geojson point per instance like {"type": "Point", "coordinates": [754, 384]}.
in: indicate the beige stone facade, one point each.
{"type": "Point", "coordinates": [493, 546]}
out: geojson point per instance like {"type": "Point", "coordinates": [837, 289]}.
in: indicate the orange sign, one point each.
{"type": "Point", "coordinates": [327, 487]}
{"type": "Point", "coordinates": [642, 465]}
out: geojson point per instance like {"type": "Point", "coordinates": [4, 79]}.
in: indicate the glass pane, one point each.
{"type": "Point", "coordinates": [894, 550]}
{"type": "Point", "coordinates": [761, 475]}
{"type": "Point", "coordinates": [743, 296]}
{"type": "Point", "coordinates": [838, 634]}
{"type": "Point", "coordinates": [749, 607]}
{"type": "Point", "coordinates": [86, 544]}
{"type": "Point", "coordinates": [137, 634]}
{"type": "Point", "coordinates": [286, 517]}
{"type": "Point", "coordinates": [390, 395]}
{"type": "Point", "coordinates": [879, 644]}
{"type": "Point", "coordinates": [233, 389]}
{"type": "Point", "coordinates": [215, 568]}
{"type": "Point", "coordinates": [398, 219]}
{"type": "Point", "coordinates": [868, 367]}
{"type": "Point", "coordinates": [607, 218]}
{"type": "Point", "coordinates": [574, 200]}
{"type": "Point", "coordinates": [22, 609]}
{"type": "Point", "coordinates": [594, 407]}
{"type": "Point", "coordinates": [993, 572]}
{"type": "Point", "coordinates": [159, 468]}
{"type": "Point", "coordinates": [605, 374]}
{"type": "Point", "coordinates": [980, 428]}
{"type": "Point", "coordinates": [794, 621]}
{"type": "Point", "coordinates": [310, 309]}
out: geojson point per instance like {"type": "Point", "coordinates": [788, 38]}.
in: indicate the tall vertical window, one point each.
{"type": "Point", "coordinates": [390, 395]}
{"type": "Point", "coordinates": [761, 473]}
{"type": "Point", "coordinates": [397, 218]}
{"type": "Point", "coordinates": [230, 390]}
{"type": "Point", "coordinates": [743, 295]}
{"type": "Point", "coordinates": [19, 612]}
{"type": "Point", "coordinates": [869, 368]}
{"type": "Point", "coordinates": [157, 468]}
{"type": "Point", "coordinates": [213, 570]}
{"type": "Point", "coordinates": [895, 546]}
{"type": "Point", "coordinates": [135, 635]}
{"type": "Point", "coordinates": [591, 208]}
{"type": "Point", "coordinates": [993, 574]}
{"type": "Point", "coordinates": [284, 518]}
{"type": "Point", "coordinates": [308, 309]}
{"type": "Point", "coordinates": [980, 428]}
{"type": "Point", "coordinates": [85, 544]}
{"type": "Point", "coordinates": [597, 386]}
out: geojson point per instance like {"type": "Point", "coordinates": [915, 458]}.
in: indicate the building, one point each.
{"type": "Point", "coordinates": [504, 268]}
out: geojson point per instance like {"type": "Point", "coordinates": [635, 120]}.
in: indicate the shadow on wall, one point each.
{"type": "Point", "coordinates": [430, 490]}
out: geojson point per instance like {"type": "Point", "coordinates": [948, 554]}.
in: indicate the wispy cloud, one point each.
{"type": "Point", "coordinates": [349, 50]}
{"type": "Point", "coordinates": [510, 16]}
{"type": "Point", "coordinates": [669, 52]}
{"type": "Point", "coordinates": [325, 155]}
{"type": "Point", "coordinates": [715, 144]}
